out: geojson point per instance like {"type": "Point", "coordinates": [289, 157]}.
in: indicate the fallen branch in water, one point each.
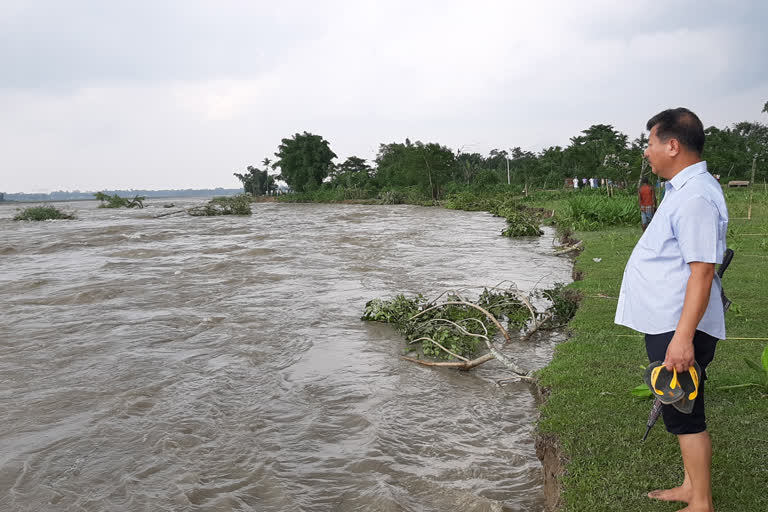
{"type": "Point", "coordinates": [568, 248]}
{"type": "Point", "coordinates": [454, 328]}
{"type": "Point", "coordinates": [170, 213]}
{"type": "Point", "coordinates": [471, 305]}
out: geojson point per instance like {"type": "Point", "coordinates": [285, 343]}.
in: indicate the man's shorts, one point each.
{"type": "Point", "coordinates": [646, 214]}
{"type": "Point", "coordinates": [704, 351]}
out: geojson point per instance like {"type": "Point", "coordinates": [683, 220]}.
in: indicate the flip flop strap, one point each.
{"type": "Point", "coordinates": [655, 376]}
{"type": "Point", "coordinates": [674, 383]}
{"type": "Point", "coordinates": [695, 378]}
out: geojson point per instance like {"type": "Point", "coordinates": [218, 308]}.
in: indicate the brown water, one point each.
{"type": "Point", "coordinates": [219, 364]}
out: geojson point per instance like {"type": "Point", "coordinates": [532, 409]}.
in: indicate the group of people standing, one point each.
{"type": "Point", "coordinates": [589, 183]}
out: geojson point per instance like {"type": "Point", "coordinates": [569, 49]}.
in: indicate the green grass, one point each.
{"type": "Point", "coordinates": [599, 423]}
{"type": "Point", "coordinates": [42, 213]}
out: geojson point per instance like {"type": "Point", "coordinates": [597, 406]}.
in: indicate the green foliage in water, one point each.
{"type": "Point", "coordinates": [400, 310]}
{"type": "Point", "coordinates": [565, 301]}
{"type": "Point", "coordinates": [506, 306]}
{"type": "Point", "coordinates": [116, 201]}
{"type": "Point", "coordinates": [232, 205]}
{"type": "Point", "coordinates": [42, 213]}
{"type": "Point", "coordinates": [521, 221]}
{"type": "Point", "coordinates": [471, 202]}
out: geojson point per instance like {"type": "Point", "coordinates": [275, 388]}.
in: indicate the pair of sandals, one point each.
{"type": "Point", "coordinates": [670, 388]}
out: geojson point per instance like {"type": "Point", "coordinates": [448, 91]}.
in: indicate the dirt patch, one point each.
{"type": "Point", "coordinates": [553, 465]}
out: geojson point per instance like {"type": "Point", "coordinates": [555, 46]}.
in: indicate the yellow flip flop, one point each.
{"type": "Point", "coordinates": [663, 383]}
{"type": "Point", "coordinates": [689, 382]}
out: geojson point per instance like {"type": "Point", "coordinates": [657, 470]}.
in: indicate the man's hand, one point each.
{"type": "Point", "coordinates": [680, 354]}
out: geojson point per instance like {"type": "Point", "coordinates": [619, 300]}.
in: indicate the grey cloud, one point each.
{"type": "Point", "coordinates": [84, 43]}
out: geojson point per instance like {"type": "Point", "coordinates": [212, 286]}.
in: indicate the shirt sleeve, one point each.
{"type": "Point", "coordinates": [696, 229]}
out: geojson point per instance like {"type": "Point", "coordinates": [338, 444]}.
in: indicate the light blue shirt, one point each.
{"type": "Point", "coordinates": [689, 225]}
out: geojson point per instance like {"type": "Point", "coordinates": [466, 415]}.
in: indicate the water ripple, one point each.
{"type": "Point", "coordinates": [220, 364]}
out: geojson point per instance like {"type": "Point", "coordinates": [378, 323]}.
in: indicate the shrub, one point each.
{"type": "Point", "coordinates": [522, 223]}
{"type": "Point", "coordinates": [234, 205]}
{"type": "Point", "coordinates": [42, 213]}
{"type": "Point", "coordinates": [591, 212]}
{"type": "Point", "coordinates": [116, 201]}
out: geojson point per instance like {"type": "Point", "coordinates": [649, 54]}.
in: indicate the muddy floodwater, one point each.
{"type": "Point", "coordinates": [216, 364]}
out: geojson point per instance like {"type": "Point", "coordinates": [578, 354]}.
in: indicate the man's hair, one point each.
{"type": "Point", "coordinates": [645, 180]}
{"type": "Point", "coordinates": [681, 124]}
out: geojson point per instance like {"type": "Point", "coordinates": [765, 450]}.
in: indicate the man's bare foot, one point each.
{"type": "Point", "coordinates": [682, 493]}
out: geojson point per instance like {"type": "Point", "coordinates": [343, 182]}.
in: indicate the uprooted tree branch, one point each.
{"type": "Point", "coordinates": [457, 330]}
{"type": "Point", "coordinates": [231, 205]}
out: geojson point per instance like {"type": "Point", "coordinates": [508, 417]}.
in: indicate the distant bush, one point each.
{"type": "Point", "coordinates": [116, 201]}
{"type": "Point", "coordinates": [232, 205]}
{"type": "Point", "coordinates": [42, 213]}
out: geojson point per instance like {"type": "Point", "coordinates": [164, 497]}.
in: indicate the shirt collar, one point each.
{"type": "Point", "coordinates": [686, 174]}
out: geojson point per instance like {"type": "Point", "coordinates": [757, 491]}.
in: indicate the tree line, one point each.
{"type": "Point", "coordinates": [306, 163]}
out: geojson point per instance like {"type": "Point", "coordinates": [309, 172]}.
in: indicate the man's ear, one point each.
{"type": "Point", "coordinates": [674, 147]}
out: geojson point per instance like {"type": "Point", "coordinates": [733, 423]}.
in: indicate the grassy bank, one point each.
{"type": "Point", "coordinates": [599, 424]}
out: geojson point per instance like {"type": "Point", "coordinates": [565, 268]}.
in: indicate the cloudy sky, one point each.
{"type": "Point", "coordinates": [181, 93]}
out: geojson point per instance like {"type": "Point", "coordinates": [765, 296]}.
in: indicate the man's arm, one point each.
{"type": "Point", "coordinates": [680, 350]}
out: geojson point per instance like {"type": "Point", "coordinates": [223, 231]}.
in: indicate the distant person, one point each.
{"type": "Point", "coordinates": [670, 291]}
{"type": "Point", "coordinates": [576, 183]}
{"type": "Point", "coordinates": [647, 198]}
{"type": "Point", "coordinates": [584, 182]}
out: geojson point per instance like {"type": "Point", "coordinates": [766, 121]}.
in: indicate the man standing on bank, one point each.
{"type": "Point", "coordinates": [670, 291]}
{"type": "Point", "coordinates": [647, 199]}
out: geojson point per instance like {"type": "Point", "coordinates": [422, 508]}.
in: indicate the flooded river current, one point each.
{"type": "Point", "coordinates": [216, 364]}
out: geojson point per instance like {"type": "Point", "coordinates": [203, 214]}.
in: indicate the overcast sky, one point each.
{"type": "Point", "coordinates": [182, 93]}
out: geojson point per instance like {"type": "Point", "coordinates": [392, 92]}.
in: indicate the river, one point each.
{"type": "Point", "coordinates": [217, 364]}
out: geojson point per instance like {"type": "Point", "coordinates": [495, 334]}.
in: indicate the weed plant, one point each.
{"type": "Point", "coordinates": [233, 205]}
{"type": "Point", "coordinates": [39, 213]}
{"type": "Point", "coordinates": [116, 201]}
{"type": "Point", "coordinates": [591, 212]}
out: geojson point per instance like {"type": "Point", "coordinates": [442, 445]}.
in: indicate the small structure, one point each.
{"type": "Point", "coordinates": [735, 183]}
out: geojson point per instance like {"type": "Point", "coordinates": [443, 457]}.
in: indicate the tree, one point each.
{"type": "Point", "coordinates": [765, 107]}
{"type": "Point", "coordinates": [730, 151]}
{"type": "Point", "coordinates": [353, 172]}
{"type": "Point", "coordinates": [469, 165]}
{"type": "Point", "coordinates": [304, 161]}
{"type": "Point", "coordinates": [601, 149]}
{"type": "Point", "coordinates": [256, 181]}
